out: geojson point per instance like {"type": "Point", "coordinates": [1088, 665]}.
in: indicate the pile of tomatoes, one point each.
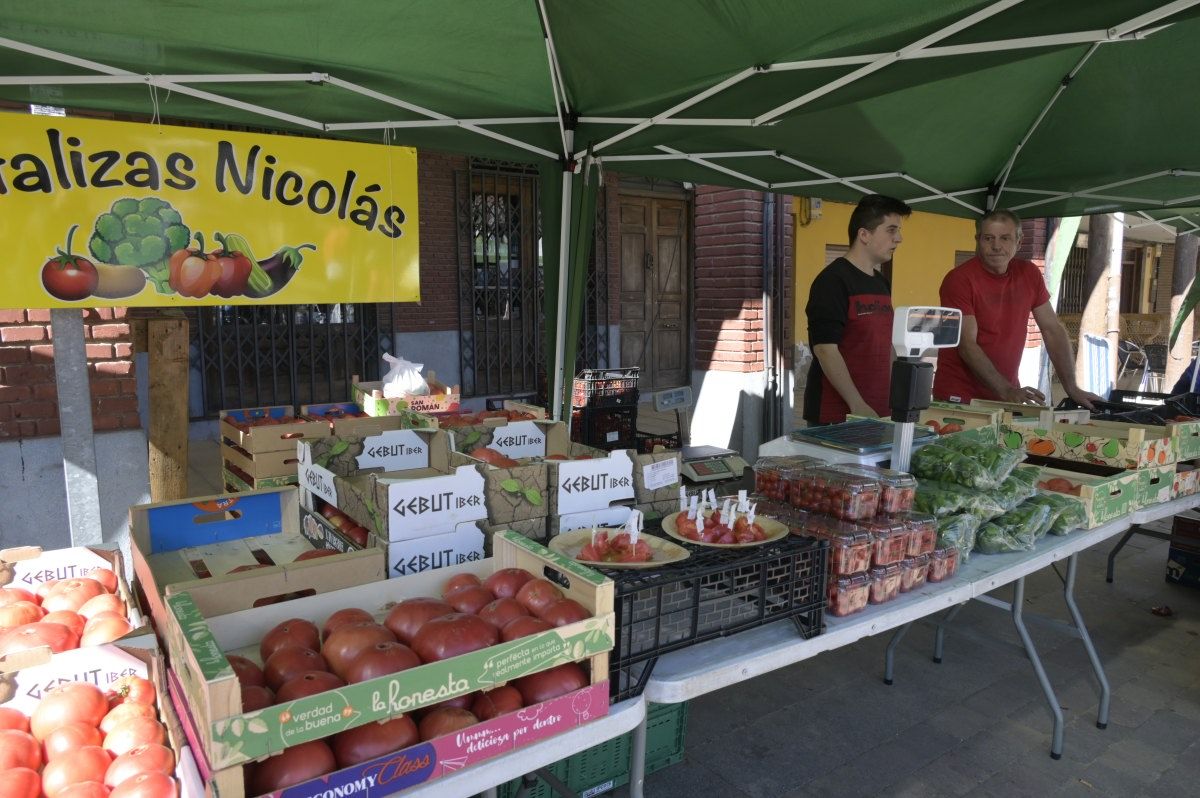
{"type": "Point", "coordinates": [81, 742]}
{"type": "Point", "coordinates": [618, 548]}
{"type": "Point", "coordinates": [456, 420]}
{"type": "Point", "coordinates": [1060, 485]}
{"type": "Point", "coordinates": [63, 614]}
{"type": "Point", "coordinates": [261, 421]}
{"type": "Point", "coordinates": [493, 457]}
{"type": "Point", "coordinates": [299, 659]}
{"type": "Point", "coordinates": [713, 531]}
{"type": "Point", "coordinates": [357, 533]}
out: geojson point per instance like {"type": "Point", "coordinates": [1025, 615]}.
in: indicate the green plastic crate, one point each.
{"type": "Point", "coordinates": [605, 767]}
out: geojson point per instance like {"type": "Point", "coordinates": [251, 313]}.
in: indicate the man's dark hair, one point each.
{"type": "Point", "coordinates": [871, 210]}
{"type": "Point", "coordinates": [999, 214]}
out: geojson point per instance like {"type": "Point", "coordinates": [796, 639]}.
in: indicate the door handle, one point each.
{"type": "Point", "coordinates": [670, 326]}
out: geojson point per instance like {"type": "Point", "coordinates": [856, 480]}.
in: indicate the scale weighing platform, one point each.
{"type": "Point", "coordinates": [711, 464]}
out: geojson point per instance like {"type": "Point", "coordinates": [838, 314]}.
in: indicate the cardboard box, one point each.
{"type": "Point", "coordinates": [399, 485]}
{"type": "Point", "coordinates": [354, 425]}
{"type": "Point", "coordinates": [175, 544]}
{"type": "Point", "coordinates": [1104, 497]}
{"type": "Point", "coordinates": [239, 481]}
{"type": "Point", "coordinates": [1155, 485]}
{"type": "Point", "coordinates": [461, 544]}
{"type": "Point", "coordinates": [1102, 443]}
{"type": "Point", "coordinates": [613, 516]}
{"type": "Point", "coordinates": [1011, 412]}
{"type": "Point", "coordinates": [656, 477]}
{"type": "Point", "coordinates": [957, 417]}
{"type": "Point", "coordinates": [533, 528]}
{"type": "Point", "coordinates": [1187, 481]}
{"type": "Point", "coordinates": [28, 567]}
{"type": "Point", "coordinates": [280, 436]}
{"type": "Point", "coordinates": [440, 399]}
{"type": "Point", "coordinates": [258, 466]}
{"type": "Point", "coordinates": [198, 646]}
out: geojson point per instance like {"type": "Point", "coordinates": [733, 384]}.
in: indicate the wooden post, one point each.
{"type": "Point", "coordinates": [1101, 270]}
{"type": "Point", "coordinates": [164, 336]}
{"type": "Point", "coordinates": [1187, 246]}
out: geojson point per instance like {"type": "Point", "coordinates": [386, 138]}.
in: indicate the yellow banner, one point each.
{"type": "Point", "coordinates": [97, 213]}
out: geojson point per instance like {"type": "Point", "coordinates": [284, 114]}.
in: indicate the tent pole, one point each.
{"type": "Point", "coordinates": [75, 422]}
{"type": "Point", "coordinates": [560, 322]}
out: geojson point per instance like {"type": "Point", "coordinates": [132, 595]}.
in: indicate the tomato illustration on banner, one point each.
{"type": "Point", "coordinates": [114, 213]}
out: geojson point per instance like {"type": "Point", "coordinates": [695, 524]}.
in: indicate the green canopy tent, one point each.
{"type": "Point", "coordinates": [1044, 106]}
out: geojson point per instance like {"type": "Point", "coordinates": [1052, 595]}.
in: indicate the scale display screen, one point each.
{"type": "Point", "coordinates": [708, 468]}
{"type": "Point", "coordinates": [943, 323]}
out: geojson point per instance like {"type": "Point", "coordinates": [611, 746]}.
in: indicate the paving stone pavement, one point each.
{"type": "Point", "coordinates": [976, 725]}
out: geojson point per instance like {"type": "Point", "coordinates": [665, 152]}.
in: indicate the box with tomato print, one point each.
{"type": "Point", "coordinates": [92, 715]}
{"type": "Point", "coordinates": [227, 550]}
{"type": "Point", "coordinates": [1106, 493]}
{"type": "Point", "coordinates": [348, 420]}
{"type": "Point", "coordinates": [432, 654]}
{"type": "Point", "coordinates": [1011, 412]}
{"type": "Point", "coordinates": [1096, 442]}
{"type": "Point", "coordinates": [66, 599]}
{"type": "Point", "coordinates": [1187, 481]}
{"type": "Point", "coordinates": [440, 399]}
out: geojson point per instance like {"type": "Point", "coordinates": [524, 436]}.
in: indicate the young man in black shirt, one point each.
{"type": "Point", "coordinates": [850, 319]}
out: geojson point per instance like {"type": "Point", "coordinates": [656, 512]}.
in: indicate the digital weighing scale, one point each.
{"type": "Point", "coordinates": [711, 464]}
{"type": "Point", "coordinates": [859, 437]}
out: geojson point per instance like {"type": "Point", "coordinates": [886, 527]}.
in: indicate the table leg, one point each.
{"type": "Point", "coordinates": [889, 656]}
{"type": "Point", "coordinates": [637, 761]}
{"type": "Point", "coordinates": [1097, 666]}
{"type": "Point", "coordinates": [939, 637]}
{"type": "Point", "coordinates": [1112, 555]}
{"type": "Point", "coordinates": [1051, 699]}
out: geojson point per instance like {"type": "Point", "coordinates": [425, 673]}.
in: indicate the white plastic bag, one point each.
{"type": "Point", "coordinates": [403, 379]}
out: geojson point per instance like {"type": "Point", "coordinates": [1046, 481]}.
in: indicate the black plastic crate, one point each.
{"type": "Point", "coordinates": [713, 593]}
{"type": "Point", "coordinates": [605, 427]}
{"type": "Point", "coordinates": [605, 388]}
{"type": "Point", "coordinates": [646, 441]}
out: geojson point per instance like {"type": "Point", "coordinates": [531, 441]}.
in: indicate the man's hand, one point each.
{"type": "Point", "coordinates": [863, 409]}
{"type": "Point", "coordinates": [1024, 396]}
{"type": "Point", "coordinates": [1083, 398]}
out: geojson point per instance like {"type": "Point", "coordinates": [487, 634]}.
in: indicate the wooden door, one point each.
{"type": "Point", "coordinates": [655, 322]}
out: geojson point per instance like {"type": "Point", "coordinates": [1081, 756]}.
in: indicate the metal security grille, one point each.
{"type": "Point", "coordinates": [285, 354]}
{"type": "Point", "coordinates": [593, 335]}
{"type": "Point", "coordinates": [1070, 293]}
{"type": "Point", "coordinates": [499, 279]}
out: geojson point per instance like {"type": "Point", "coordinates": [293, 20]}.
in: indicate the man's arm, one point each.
{"type": "Point", "coordinates": [833, 367]}
{"type": "Point", "coordinates": [1058, 346]}
{"type": "Point", "coordinates": [985, 371]}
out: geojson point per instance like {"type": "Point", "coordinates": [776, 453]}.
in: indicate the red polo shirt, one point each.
{"type": "Point", "coordinates": [1001, 305]}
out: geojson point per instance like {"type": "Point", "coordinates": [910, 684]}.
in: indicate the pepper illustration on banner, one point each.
{"type": "Point", "coordinates": [173, 216]}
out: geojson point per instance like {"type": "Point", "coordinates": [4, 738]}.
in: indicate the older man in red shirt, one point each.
{"type": "Point", "coordinates": [996, 292]}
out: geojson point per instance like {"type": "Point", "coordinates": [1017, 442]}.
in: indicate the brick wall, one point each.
{"type": "Point", "coordinates": [28, 394]}
{"type": "Point", "coordinates": [1035, 235]}
{"type": "Point", "coordinates": [728, 279]}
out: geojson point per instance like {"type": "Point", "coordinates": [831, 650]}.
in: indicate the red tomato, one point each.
{"type": "Point", "coordinates": [143, 759]}
{"type": "Point", "coordinates": [507, 581]}
{"type": "Point", "coordinates": [458, 702]}
{"type": "Point", "coordinates": [501, 611]}
{"type": "Point", "coordinates": [343, 617]}
{"type": "Point", "coordinates": [563, 612]}
{"type": "Point", "coordinates": [256, 696]}
{"type": "Point", "coordinates": [537, 594]}
{"type": "Point", "coordinates": [133, 689]}
{"type": "Point", "coordinates": [20, 783]}
{"type": "Point", "coordinates": [407, 617]}
{"type": "Point", "coordinates": [287, 663]}
{"type": "Point", "coordinates": [101, 603]}
{"type": "Point", "coordinates": [85, 789]}
{"type": "Point", "coordinates": [20, 613]}
{"type": "Point", "coordinates": [246, 670]}
{"type": "Point", "coordinates": [314, 554]}
{"type": "Point", "coordinates": [380, 660]}
{"type": "Point", "coordinates": [13, 719]}
{"type": "Point", "coordinates": [496, 702]}
{"type": "Point", "coordinates": [65, 740]}
{"type": "Point", "coordinates": [146, 785]}
{"type": "Point", "coordinates": [67, 703]}
{"type": "Point", "coordinates": [11, 595]}
{"type": "Point", "coordinates": [69, 277]}
{"type": "Point", "coordinates": [348, 641]}
{"type": "Point", "coordinates": [124, 712]}
{"type": "Point", "coordinates": [104, 628]}
{"type": "Point", "coordinates": [292, 632]}
{"type": "Point", "coordinates": [358, 535]}
{"type": "Point", "coordinates": [307, 684]}
{"type": "Point", "coordinates": [130, 734]}
{"type": "Point", "coordinates": [72, 620]}
{"type": "Point", "coordinates": [459, 581]}
{"type": "Point", "coordinates": [445, 720]}
{"type": "Point", "coordinates": [374, 739]}
{"type": "Point", "coordinates": [86, 764]}
{"type": "Point", "coordinates": [551, 683]}
{"type": "Point", "coordinates": [470, 599]}
{"type": "Point", "coordinates": [291, 766]}
{"type": "Point", "coordinates": [452, 635]}
{"type": "Point", "coordinates": [105, 576]}
{"type": "Point", "coordinates": [44, 589]}
{"type": "Point", "coordinates": [522, 627]}
{"type": "Point", "coordinates": [71, 594]}
{"type": "Point", "coordinates": [18, 749]}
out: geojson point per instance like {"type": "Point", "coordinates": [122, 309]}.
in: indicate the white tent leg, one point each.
{"type": "Point", "coordinates": [564, 249]}
{"type": "Point", "coordinates": [75, 422]}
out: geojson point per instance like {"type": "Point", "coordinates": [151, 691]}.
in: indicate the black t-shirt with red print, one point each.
{"type": "Point", "coordinates": [853, 310]}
